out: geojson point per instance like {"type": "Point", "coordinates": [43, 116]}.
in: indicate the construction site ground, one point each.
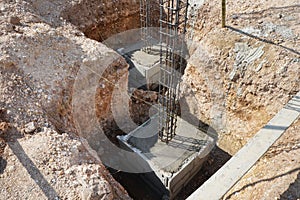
{"type": "Point", "coordinates": [42, 158]}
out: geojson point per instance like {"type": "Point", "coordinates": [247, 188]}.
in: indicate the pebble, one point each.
{"type": "Point", "coordinates": [235, 16]}
{"type": "Point", "coordinates": [30, 127]}
{"type": "Point", "coordinates": [11, 168]}
{"type": "Point", "coordinates": [14, 20]}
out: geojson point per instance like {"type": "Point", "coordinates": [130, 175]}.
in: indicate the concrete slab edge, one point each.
{"type": "Point", "coordinates": [226, 177]}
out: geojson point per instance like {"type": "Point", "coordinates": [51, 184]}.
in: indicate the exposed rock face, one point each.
{"type": "Point", "coordinates": [51, 59]}
{"type": "Point", "coordinates": [141, 105]}
{"type": "Point", "coordinates": [40, 57]}
{"type": "Point", "coordinates": [101, 19]}
{"type": "Point", "coordinates": [263, 82]}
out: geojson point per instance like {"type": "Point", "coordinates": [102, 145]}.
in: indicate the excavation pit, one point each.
{"type": "Point", "coordinates": [173, 164]}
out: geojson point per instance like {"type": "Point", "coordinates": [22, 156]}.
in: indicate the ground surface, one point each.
{"type": "Point", "coordinates": [37, 162]}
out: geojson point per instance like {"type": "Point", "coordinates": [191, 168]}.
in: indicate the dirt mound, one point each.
{"type": "Point", "coordinates": [57, 166]}
{"type": "Point", "coordinates": [41, 54]}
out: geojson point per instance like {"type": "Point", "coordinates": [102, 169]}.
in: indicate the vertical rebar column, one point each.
{"type": "Point", "coordinates": [145, 18]}
{"type": "Point", "coordinates": [173, 17]}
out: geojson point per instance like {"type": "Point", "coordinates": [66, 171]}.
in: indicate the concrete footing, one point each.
{"type": "Point", "coordinates": [173, 164]}
{"type": "Point", "coordinates": [145, 70]}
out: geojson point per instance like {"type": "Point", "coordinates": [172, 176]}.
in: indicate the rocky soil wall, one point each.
{"type": "Point", "coordinates": [243, 75]}
{"type": "Point", "coordinates": [41, 56]}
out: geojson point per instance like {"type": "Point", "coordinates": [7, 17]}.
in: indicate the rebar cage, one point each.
{"type": "Point", "coordinates": [173, 20]}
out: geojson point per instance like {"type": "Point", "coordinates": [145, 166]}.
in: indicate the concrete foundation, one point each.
{"type": "Point", "coordinates": [144, 68]}
{"type": "Point", "coordinates": [173, 164]}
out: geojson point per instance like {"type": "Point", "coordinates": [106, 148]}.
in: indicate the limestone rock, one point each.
{"type": "Point", "coordinates": [40, 60]}
{"type": "Point", "coordinates": [30, 127]}
{"type": "Point", "coordinates": [14, 20]}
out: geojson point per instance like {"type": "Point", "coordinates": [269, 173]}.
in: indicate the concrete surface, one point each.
{"type": "Point", "coordinates": [241, 162]}
{"type": "Point", "coordinates": [174, 163]}
{"type": "Point", "coordinates": [144, 68]}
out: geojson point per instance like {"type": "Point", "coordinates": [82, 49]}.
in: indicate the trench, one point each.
{"type": "Point", "coordinates": [134, 183]}
{"type": "Point", "coordinates": [139, 189]}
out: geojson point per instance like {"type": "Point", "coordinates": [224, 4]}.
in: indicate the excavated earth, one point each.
{"type": "Point", "coordinates": [236, 80]}
{"type": "Point", "coordinates": [242, 76]}
{"type": "Point", "coordinates": [42, 156]}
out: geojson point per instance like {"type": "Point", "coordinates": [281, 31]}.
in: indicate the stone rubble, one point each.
{"type": "Point", "coordinates": [30, 127]}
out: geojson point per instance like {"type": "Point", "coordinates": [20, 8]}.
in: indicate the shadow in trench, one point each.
{"type": "Point", "coordinates": [293, 192]}
{"type": "Point", "coordinates": [137, 186]}
{"type": "Point", "coordinates": [264, 180]}
{"type": "Point", "coordinates": [216, 159]}
{"type": "Point", "coordinates": [3, 164]}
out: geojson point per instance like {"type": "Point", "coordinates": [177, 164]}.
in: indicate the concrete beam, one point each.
{"type": "Point", "coordinates": [224, 179]}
